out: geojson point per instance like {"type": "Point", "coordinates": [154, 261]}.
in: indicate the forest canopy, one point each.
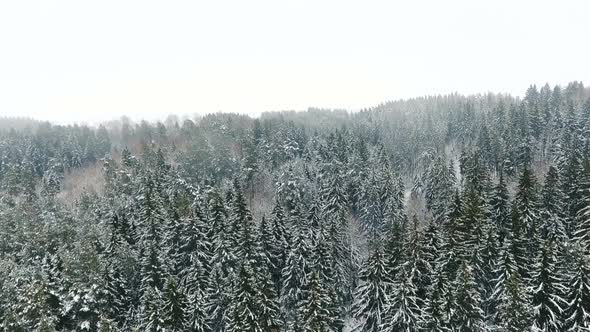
{"type": "Point", "coordinates": [439, 213]}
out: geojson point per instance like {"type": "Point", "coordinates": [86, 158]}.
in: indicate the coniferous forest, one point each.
{"type": "Point", "coordinates": [441, 213]}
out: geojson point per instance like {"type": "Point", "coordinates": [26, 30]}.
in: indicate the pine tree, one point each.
{"type": "Point", "coordinates": [420, 268]}
{"type": "Point", "coordinates": [279, 248]}
{"type": "Point", "coordinates": [553, 200]}
{"type": "Point", "coordinates": [371, 300]}
{"type": "Point", "coordinates": [223, 253]}
{"type": "Point", "coordinates": [504, 268]}
{"type": "Point", "coordinates": [33, 309]}
{"type": "Point", "coordinates": [171, 242]}
{"type": "Point", "coordinates": [515, 308]}
{"type": "Point", "coordinates": [526, 204]}
{"type": "Point", "coordinates": [570, 170]}
{"type": "Point", "coordinates": [117, 289]}
{"type": "Point", "coordinates": [151, 318]}
{"type": "Point", "coordinates": [546, 290]}
{"type": "Point", "coordinates": [268, 301]}
{"type": "Point", "coordinates": [467, 314]}
{"type": "Point", "coordinates": [403, 313]}
{"type": "Point", "coordinates": [244, 315]}
{"type": "Point", "coordinates": [449, 258]}
{"type": "Point", "coordinates": [314, 309]}
{"type": "Point", "coordinates": [197, 317]}
{"type": "Point", "coordinates": [293, 277]}
{"type": "Point", "coordinates": [174, 308]}
{"type": "Point", "coordinates": [582, 218]}
{"type": "Point", "coordinates": [439, 187]}
{"type": "Point", "coordinates": [196, 251]}
{"type": "Point", "coordinates": [485, 260]}
{"type": "Point", "coordinates": [437, 309]}
{"type": "Point", "coordinates": [577, 309]}
{"type": "Point", "coordinates": [219, 300]}
{"type": "Point", "coordinates": [393, 247]}
{"type": "Point", "coordinates": [500, 210]}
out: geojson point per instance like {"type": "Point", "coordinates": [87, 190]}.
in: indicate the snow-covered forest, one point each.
{"type": "Point", "coordinates": [442, 213]}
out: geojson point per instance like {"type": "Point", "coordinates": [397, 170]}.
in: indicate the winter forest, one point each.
{"type": "Point", "coordinates": [441, 213]}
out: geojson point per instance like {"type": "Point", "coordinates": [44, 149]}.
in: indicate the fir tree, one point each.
{"type": "Point", "coordinates": [577, 308]}
{"type": "Point", "coordinates": [151, 318]}
{"type": "Point", "coordinates": [174, 307]}
{"type": "Point", "coordinates": [437, 309]}
{"type": "Point", "coordinates": [500, 210]}
{"type": "Point", "coordinates": [546, 290]}
{"type": "Point", "coordinates": [553, 200]}
{"type": "Point", "coordinates": [467, 314]}
{"type": "Point", "coordinates": [403, 313]}
{"type": "Point", "coordinates": [314, 309]}
{"type": "Point", "coordinates": [244, 313]}
{"type": "Point", "coordinates": [514, 310]}
{"type": "Point", "coordinates": [371, 295]}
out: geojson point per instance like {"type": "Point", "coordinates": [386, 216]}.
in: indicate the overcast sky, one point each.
{"type": "Point", "coordinates": [88, 61]}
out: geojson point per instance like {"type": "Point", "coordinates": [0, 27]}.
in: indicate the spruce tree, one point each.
{"type": "Point", "coordinates": [371, 295]}
{"type": "Point", "coordinates": [437, 309]}
{"type": "Point", "coordinates": [174, 307]}
{"type": "Point", "coordinates": [151, 317]}
{"type": "Point", "coordinates": [467, 314]}
{"type": "Point", "coordinates": [552, 203]}
{"type": "Point", "coordinates": [314, 309]}
{"type": "Point", "coordinates": [527, 208]}
{"type": "Point", "coordinates": [218, 301]}
{"type": "Point", "coordinates": [244, 311]}
{"type": "Point", "coordinates": [577, 297]}
{"type": "Point", "coordinates": [514, 309]}
{"type": "Point", "coordinates": [547, 289]}
{"type": "Point", "coordinates": [500, 210]}
{"type": "Point", "coordinates": [403, 312]}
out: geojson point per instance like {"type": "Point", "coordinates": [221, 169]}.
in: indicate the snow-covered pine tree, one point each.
{"type": "Point", "coordinates": [437, 310]}
{"type": "Point", "coordinates": [314, 310]}
{"type": "Point", "coordinates": [196, 252]}
{"type": "Point", "coordinates": [552, 203]}
{"type": "Point", "coordinates": [371, 295]}
{"type": "Point", "coordinates": [466, 314]}
{"type": "Point", "coordinates": [577, 309]}
{"type": "Point", "coordinates": [150, 315]}
{"type": "Point", "coordinates": [546, 290]}
{"type": "Point", "coordinates": [174, 307]}
{"type": "Point", "coordinates": [293, 276]}
{"type": "Point", "coordinates": [269, 301]}
{"type": "Point", "coordinates": [485, 259]}
{"type": "Point", "coordinates": [514, 311]}
{"type": "Point", "coordinates": [33, 309]}
{"type": "Point", "coordinates": [570, 168]}
{"type": "Point", "coordinates": [223, 253]}
{"type": "Point", "coordinates": [243, 310]}
{"type": "Point", "coordinates": [500, 210]}
{"type": "Point", "coordinates": [197, 316]}
{"type": "Point", "coordinates": [403, 313]}
{"type": "Point", "coordinates": [582, 219]}
{"type": "Point", "coordinates": [420, 269]}
{"type": "Point", "coordinates": [527, 206]}
{"type": "Point", "coordinates": [279, 248]}
{"type": "Point", "coordinates": [219, 300]}
{"type": "Point", "coordinates": [439, 187]}
{"type": "Point", "coordinates": [449, 257]}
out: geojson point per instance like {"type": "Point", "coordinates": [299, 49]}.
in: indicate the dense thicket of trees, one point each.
{"type": "Point", "coordinates": [446, 213]}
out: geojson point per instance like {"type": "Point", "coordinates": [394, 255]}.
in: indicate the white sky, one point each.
{"type": "Point", "coordinates": [88, 61]}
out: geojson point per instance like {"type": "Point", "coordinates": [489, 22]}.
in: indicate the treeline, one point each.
{"type": "Point", "coordinates": [445, 213]}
